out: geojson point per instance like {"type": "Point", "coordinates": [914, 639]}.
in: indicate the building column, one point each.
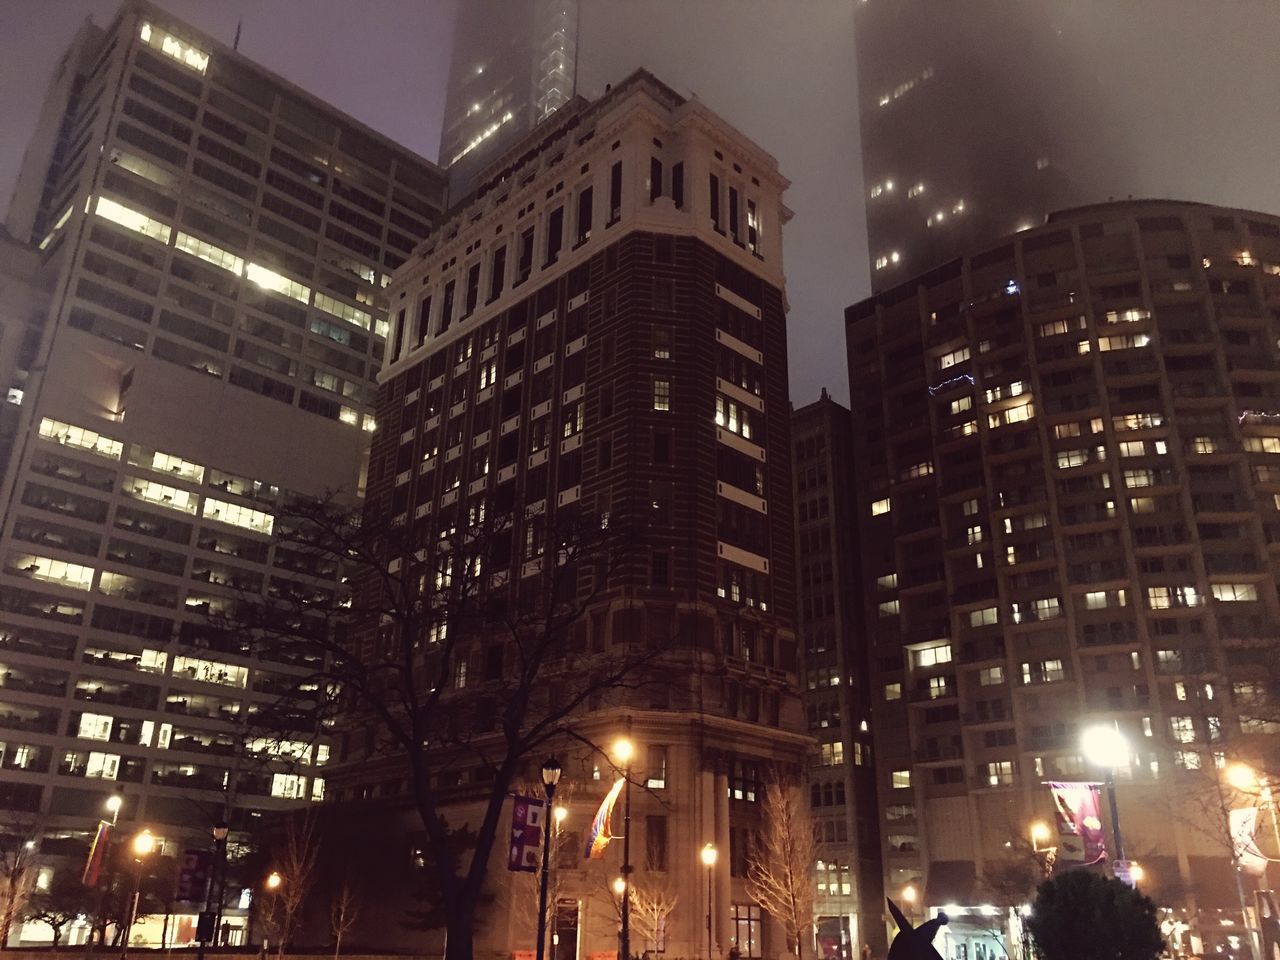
{"type": "Point", "coordinates": [724, 896]}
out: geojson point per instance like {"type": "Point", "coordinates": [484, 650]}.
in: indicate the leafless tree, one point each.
{"type": "Point", "coordinates": [652, 903]}
{"type": "Point", "coordinates": [19, 844]}
{"type": "Point", "coordinates": [294, 859]}
{"type": "Point", "coordinates": [452, 646]}
{"type": "Point", "coordinates": [781, 862]}
{"type": "Point", "coordinates": [344, 912]}
{"type": "Point", "coordinates": [65, 899]}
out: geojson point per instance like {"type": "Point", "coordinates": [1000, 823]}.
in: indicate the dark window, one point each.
{"type": "Point", "coordinates": [446, 307]}
{"type": "Point", "coordinates": [525, 265]}
{"type": "Point", "coordinates": [715, 202]}
{"type": "Point", "coordinates": [677, 185]}
{"type": "Point", "coordinates": [733, 212]}
{"type": "Point", "coordinates": [555, 235]}
{"type": "Point", "coordinates": [655, 179]}
{"type": "Point", "coordinates": [615, 191]}
{"type": "Point", "coordinates": [660, 569]}
{"type": "Point", "coordinates": [473, 288]}
{"type": "Point", "coordinates": [584, 215]}
{"type": "Point", "coordinates": [399, 335]}
{"type": "Point", "coordinates": [498, 272]}
{"type": "Point", "coordinates": [655, 843]}
{"type": "Point", "coordinates": [424, 317]}
{"type": "Point", "coordinates": [661, 446]}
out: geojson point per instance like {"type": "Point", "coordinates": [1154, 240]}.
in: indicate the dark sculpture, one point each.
{"type": "Point", "coordinates": [914, 943]}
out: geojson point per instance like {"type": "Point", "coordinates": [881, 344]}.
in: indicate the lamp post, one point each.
{"type": "Point", "coordinates": [112, 805]}
{"type": "Point", "coordinates": [214, 893]}
{"type": "Point", "coordinates": [143, 845]}
{"type": "Point", "coordinates": [558, 815]}
{"type": "Point", "coordinates": [1243, 777]}
{"type": "Point", "coordinates": [623, 751]}
{"type": "Point", "coordinates": [1106, 747]}
{"type": "Point", "coordinates": [550, 777]}
{"type": "Point", "coordinates": [709, 861]}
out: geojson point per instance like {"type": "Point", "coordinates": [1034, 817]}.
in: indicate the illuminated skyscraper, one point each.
{"type": "Point", "coordinates": [513, 65]}
{"type": "Point", "coordinates": [216, 242]}
{"type": "Point", "coordinates": [977, 120]}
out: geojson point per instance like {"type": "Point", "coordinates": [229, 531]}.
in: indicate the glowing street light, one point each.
{"type": "Point", "coordinates": [113, 805]}
{"type": "Point", "coordinates": [274, 881]}
{"type": "Point", "coordinates": [142, 846]}
{"type": "Point", "coordinates": [619, 886]}
{"type": "Point", "coordinates": [909, 893]}
{"type": "Point", "coordinates": [1040, 832]}
{"type": "Point", "coordinates": [1105, 746]}
{"type": "Point", "coordinates": [708, 855]}
{"type": "Point", "coordinates": [623, 751]}
{"type": "Point", "coordinates": [560, 813]}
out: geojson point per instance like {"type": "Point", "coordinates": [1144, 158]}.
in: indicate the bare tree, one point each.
{"type": "Point", "coordinates": [454, 646]}
{"type": "Point", "coordinates": [65, 899]}
{"type": "Point", "coordinates": [344, 912]}
{"type": "Point", "coordinates": [651, 904]}
{"type": "Point", "coordinates": [18, 848]}
{"type": "Point", "coordinates": [294, 859]}
{"type": "Point", "coordinates": [781, 862]}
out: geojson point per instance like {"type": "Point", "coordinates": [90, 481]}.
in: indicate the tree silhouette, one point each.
{"type": "Point", "coordinates": [1081, 915]}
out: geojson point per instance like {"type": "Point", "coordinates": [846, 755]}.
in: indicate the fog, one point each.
{"type": "Point", "coordinates": [1187, 88]}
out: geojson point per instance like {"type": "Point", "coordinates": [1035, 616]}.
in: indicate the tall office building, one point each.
{"type": "Point", "coordinates": [841, 781]}
{"type": "Point", "coordinates": [977, 119]}
{"type": "Point", "coordinates": [23, 308]}
{"type": "Point", "coordinates": [217, 243]}
{"type": "Point", "coordinates": [1067, 497]}
{"type": "Point", "coordinates": [601, 333]}
{"type": "Point", "coordinates": [514, 64]}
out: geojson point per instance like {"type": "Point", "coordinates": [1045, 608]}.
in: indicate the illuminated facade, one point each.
{"type": "Point", "coordinates": [976, 120]}
{"type": "Point", "coordinates": [600, 334]}
{"type": "Point", "coordinates": [217, 242]}
{"type": "Point", "coordinates": [1068, 502]}
{"type": "Point", "coordinates": [514, 65]}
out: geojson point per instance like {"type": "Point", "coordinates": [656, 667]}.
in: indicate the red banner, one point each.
{"type": "Point", "coordinates": [527, 819]}
{"type": "Point", "coordinates": [97, 855]}
{"type": "Point", "coordinates": [1077, 812]}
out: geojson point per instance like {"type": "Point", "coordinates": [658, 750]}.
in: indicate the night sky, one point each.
{"type": "Point", "coordinates": [1194, 81]}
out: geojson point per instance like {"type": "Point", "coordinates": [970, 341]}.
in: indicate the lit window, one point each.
{"type": "Point", "coordinates": [962, 404]}
{"type": "Point", "coordinates": [1262, 444]}
{"type": "Point", "coordinates": [238, 516]}
{"type": "Point", "coordinates": [175, 49]}
{"type": "Point", "coordinates": [73, 436]}
{"type": "Point", "coordinates": [102, 766]}
{"type": "Point", "coordinates": [1228, 592]}
{"type": "Point", "coordinates": [879, 507]}
{"type": "Point", "coordinates": [954, 357]}
{"type": "Point", "coordinates": [95, 726]}
{"type": "Point", "coordinates": [939, 687]}
{"type": "Point", "coordinates": [933, 656]}
{"type": "Point", "coordinates": [343, 311]}
{"type": "Point", "coordinates": [1183, 729]}
{"type": "Point", "coordinates": [73, 575]}
{"type": "Point", "coordinates": [207, 252]}
{"type": "Point", "coordinates": [131, 219]}
{"type": "Point", "coordinates": [889, 608]}
{"type": "Point", "coordinates": [662, 395]}
{"type": "Point", "coordinates": [900, 779]}
{"type": "Point", "coordinates": [991, 676]}
{"type": "Point", "coordinates": [276, 282]}
{"type": "Point", "coordinates": [1000, 773]}
{"type": "Point", "coordinates": [288, 785]}
{"type": "Point", "coordinates": [893, 691]}
{"type": "Point", "coordinates": [887, 582]}
{"type": "Point", "coordinates": [984, 617]}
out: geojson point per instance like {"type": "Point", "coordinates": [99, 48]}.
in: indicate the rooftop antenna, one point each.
{"type": "Point", "coordinates": [235, 44]}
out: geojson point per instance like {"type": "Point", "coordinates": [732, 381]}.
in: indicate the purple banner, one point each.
{"type": "Point", "coordinates": [1077, 813]}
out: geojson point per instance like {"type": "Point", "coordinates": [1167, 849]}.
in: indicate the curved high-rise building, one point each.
{"type": "Point", "coordinates": [1069, 512]}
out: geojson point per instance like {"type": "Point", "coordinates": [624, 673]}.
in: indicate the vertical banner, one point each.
{"type": "Point", "coordinates": [97, 855]}
{"type": "Point", "coordinates": [193, 877]}
{"type": "Point", "coordinates": [526, 834]}
{"type": "Point", "coordinates": [1077, 812]}
{"type": "Point", "coordinates": [1244, 823]}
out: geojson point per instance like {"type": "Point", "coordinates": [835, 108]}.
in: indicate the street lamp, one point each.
{"type": "Point", "coordinates": [1106, 747]}
{"type": "Point", "coordinates": [113, 805]}
{"type": "Point", "coordinates": [210, 919]}
{"type": "Point", "coordinates": [708, 856]}
{"type": "Point", "coordinates": [623, 751]}
{"type": "Point", "coordinates": [274, 881]}
{"type": "Point", "coordinates": [143, 845]}
{"type": "Point", "coordinates": [1040, 832]}
{"type": "Point", "coordinates": [909, 894]}
{"type": "Point", "coordinates": [550, 777]}
{"type": "Point", "coordinates": [1245, 779]}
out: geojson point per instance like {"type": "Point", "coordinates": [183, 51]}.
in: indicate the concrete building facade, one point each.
{"type": "Point", "coordinates": [601, 331]}
{"type": "Point", "coordinates": [216, 244]}
{"type": "Point", "coordinates": [1067, 513]}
